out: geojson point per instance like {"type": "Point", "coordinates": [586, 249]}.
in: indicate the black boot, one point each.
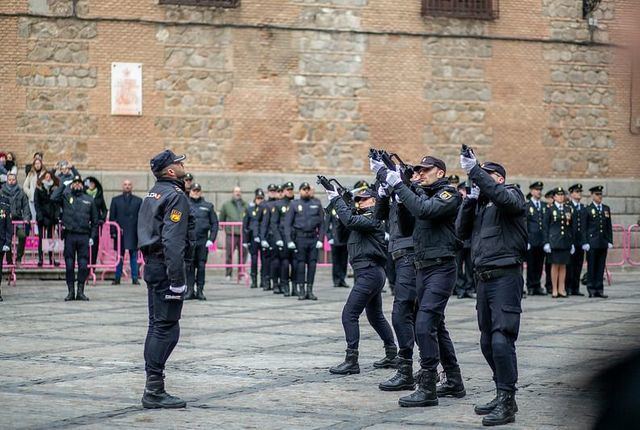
{"type": "Point", "coordinates": [115, 282]}
{"type": "Point", "coordinates": [269, 285]}
{"type": "Point", "coordinates": [349, 366]}
{"type": "Point", "coordinates": [294, 289]}
{"type": "Point", "coordinates": [425, 395]}
{"type": "Point", "coordinates": [310, 295]}
{"type": "Point", "coordinates": [302, 292]}
{"type": "Point", "coordinates": [452, 386]}
{"type": "Point", "coordinates": [1, 299]}
{"type": "Point", "coordinates": [72, 295]}
{"type": "Point", "coordinates": [200, 293]}
{"type": "Point", "coordinates": [80, 295]}
{"type": "Point", "coordinates": [505, 410]}
{"type": "Point", "coordinates": [254, 281]}
{"type": "Point", "coordinates": [486, 408]}
{"type": "Point", "coordinates": [287, 292]}
{"type": "Point", "coordinates": [189, 295]}
{"type": "Point", "coordinates": [403, 379]}
{"type": "Point", "coordinates": [390, 360]}
{"type": "Point", "coordinates": [155, 397]}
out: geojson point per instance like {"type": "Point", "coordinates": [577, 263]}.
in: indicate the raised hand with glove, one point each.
{"type": "Point", "coordinates": [332, 194]}
{"type": "Point", "coordinates": [609, 245]}
{"type": "Point", "coordinates": [468, 161]}
{"type": "Point", "coordinates": [475, 193]}
{"type": "Point", "coordinates": [573, 250]}
{"type": "Point", "coordinates": [393, 178]}
{"type": "Point", "coordinates": [375, 165]}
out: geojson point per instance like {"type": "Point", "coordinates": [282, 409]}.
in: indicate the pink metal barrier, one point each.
{"type": "Point", "coordinates": [227, 251]}
{"type": "Point", "coordinates": [633, 245]}
{"type": "Point", "coordinates": [617, 255]}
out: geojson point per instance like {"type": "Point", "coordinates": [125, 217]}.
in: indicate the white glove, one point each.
{"type": "Point", "coordinates": [547, 248]}
{"type": "Point", "coordinates": [279, 243]}
{"type": "Point", "coordinates": [90, 242]}
{"type": "Point", "coordinates": [382, 191]}
{"type": "Point", "coordinates": [475, 192]}
{"type": "Point", "coordinates": [573, 250]}
{"type": "Point", "coordinates": [256, 239]}
{"type": "Point", "coordinates": [393, 178]}
{"type": "Point", "coordinates": [291, 245]}
{"type": "Point", "coordinates": [319, 245]}
{"type": "Point", "coordinates": [467, 163]}
{"type": "Point", "coordinates": [332, 194]}
{"type": "Point", "coordinates": [209, 244]}
{"type": "Point", "coordinates": [586, 247]}
{"type": "Point", "coordinates": [245, 245]}
{"type": "Point", "coordinates": [264, 244]}
{"type": "Point", "coordinates": [375, 166]}
{"type": "Point", "coordinates": [386, 236]}
{"type": "Point", "coordinates": [609, 245]}
{"type": "Point", "coordinates": [528, 246]}
{"type": "Point", "coordinates": [6, 248]}
{"type": "Point", "coordinates": [178, 290]}
{"type": "Point", "coordinates": [330, 242]}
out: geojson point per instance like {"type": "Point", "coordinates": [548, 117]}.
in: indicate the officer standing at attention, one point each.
{"type": "Point", "coordinates": [165, 235]}
{"type": "Point", "coordinates": [287, 265]}
{"type": "Point", "coordinates": [598, 240]}
{"type": "Point", "coordinates": [266, 238]}
{"type": "Point", "coordinates": [494, 217]}
{"type": "Point", "coordinates": [574, 269]}
{"type": "Point", "coordinates": [276, 240]}
{"type": "Point", "coordinates": [338, 235]}
{"type": "Point", "coordinates": [206, 231]}
{"type": "Point", "coordinates": [188, 182]}
{"type": "Point", "coordinates": [435, 243]}
{"type": "Point", "coordinates": [304, 233]}
{"type": "Point", "coordinates": [368, 258]}
{"type": "Point", "coordinates": [536, 209]}
{"type": "Point", "coordinates": [251, 234]}
{"type": "Point", "coordinates": [548, 285]}
{"type": "Point", "coordinates": [80, 226]}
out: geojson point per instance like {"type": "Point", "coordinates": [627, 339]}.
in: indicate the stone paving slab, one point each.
{"type": "Point", "coordinates": [250, 359]}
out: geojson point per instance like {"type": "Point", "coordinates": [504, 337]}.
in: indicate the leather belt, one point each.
{"type": "Point", "coordinates": [487, 275]}
{"type": "Point", "coordinates": [423, 264]}
{"type": "Point", "coordinates": [401, 253]}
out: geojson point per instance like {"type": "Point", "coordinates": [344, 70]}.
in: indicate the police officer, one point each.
{"type": "Point", "coordinates": [165, 236]}
{"type": "Point", "coordinates": [465, 285]}
{"type": "Point", "coordinates": [558, 243]}
{"type": "Point", "coordinates": [574, 269]}
{"type": "Point", "coordinates": [337, 235]}
{"type": "Point", "coordinates": [6, 231]}
{"type": "Point", "coordinates": [275, 238]}
{"type": "Point", "coordinates": [188, 182]}
{"type": "Point", "coordinates": [251, 234]}
{"type": "Point", "coordinates": [536, 210]}
{"type": "Point", "coordinates": [598, 240]}
{"type": "Point", "coordinates": [400, 245]}
{"type": "Point", "coordinates": [266, 237]}
{"type": "Point", "coordinates": [206, 231]}
{"type": "Point", "coordinates": [80, 226]}
{"type": "Point", "coordinates": [548, 285]}
{"type": "Point", "coordinates": [367, 257]}
{"type": "Point", "coordinates": [435, 243]}
{"type": "Point", "coordinates": [286, 268]}
{"type": "Point", "coordinates": [494, 218]}
{"type": "Point", "coordinates": [304, 233]}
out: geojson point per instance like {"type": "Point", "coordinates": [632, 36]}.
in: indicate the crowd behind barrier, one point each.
{"type": "Point", "coordinates": [626, 251]}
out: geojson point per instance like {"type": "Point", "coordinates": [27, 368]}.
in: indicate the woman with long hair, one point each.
{"type": "Point", "coordinates": [31, 182]}
{"type": "Point", "coordinates": [558, 245]}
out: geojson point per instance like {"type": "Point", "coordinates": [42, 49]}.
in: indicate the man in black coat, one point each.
{"type": "Point", "coordinates": [598, 239]}
{"type": "Point", "coordinates": [124, 211]}
{"type": "Point", "coordinates": [536, 210]}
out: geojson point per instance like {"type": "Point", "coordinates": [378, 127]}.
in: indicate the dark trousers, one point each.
{"type": "Point", "coordinates": [596, 262]}
{"type": "Point", "coordinates": [265, 261]}
{"type": "Point", "coordinates": [547, 273]}
{"type": "Point", "coordinates": [535, 263]}
{"type": "Point", "coordinates": [133, 261]}
{"type": "Point", "coordinates": [366, 295]}
{"type": "Point", "coordinates": [499, 311]}
{"type": "Point", "coordinates": [403, 315]}
{"type": "Point", "coordinates": [196, 269]}
{"type": "Point", "coordinates": [275, 256]}
{"type": "Point", "coordinates": [254, 249]}
{"type": "Point", "coordinates": [390, 269]}
{"type": "Point", "coordinates": [165, 309]}
{"type": "Point", "coordinates": [339, 259]}
{"type": "Point", "coordinates": [285, 267]}
{"type": "Point", "coordinates": [434, 286]}
{"type": "Point", "coordinates": [233, 244]}
{"type": "Point", "coordinates": [572, 281]}
{"type": "Point", "coordinates": [46, 232]}
{"type": "Point", "coordinates": [76, 245]}
{"type": "Point", "coordinates": [94, 248]}
{"type": "Point", "coordinates": [21, 233]}
{"type": "Point", "coordinates": [464, 272]}
{"type": "Point", "coordinates": [306, 258]}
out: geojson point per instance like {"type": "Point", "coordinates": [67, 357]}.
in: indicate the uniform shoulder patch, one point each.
{"type": "Point", "coordinates": [445, 195]}
{"type": "Point", "coordinates": [175, 215]}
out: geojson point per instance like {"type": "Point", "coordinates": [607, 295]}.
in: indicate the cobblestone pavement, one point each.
{"type": "Point", "coordinates": [250, 359]}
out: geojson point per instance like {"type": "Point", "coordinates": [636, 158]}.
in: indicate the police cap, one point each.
{"type": "Point", "coordinates": [492, 167]}
{"type": "Point", "coordinates": [548, 194]}
{"type": "Point", "coordinates": [272, 187]}
{"type": "Point", "coordinates": [304, 186]}
{"type": "Point", "coordinates": [428, 162]}
{"type": "Point", "coordinates": [537, 185]}
{"type": "Point", "coordinates": [360, 184]}
{"type": "Point", "coordinates": [77, 178]}
{"type": "Point", "coordinates": [196, 187]}
{"type": "Point", "coordinates": [259, 194]}
{"type": "Point", "coordinates": [188, 177]}
{"type": "Point", "coordinates": [362, 193]}
{"type": "Point", "coordinates": [287, 186]}
{"type": "Point", "coordinates": [557, 190]}
{"type": "Point", "coordinates": [165, 159]}
{"type": "Point", "coordinates": [575, 187]}
{"type": "Point", "coordinates": [597, 189]}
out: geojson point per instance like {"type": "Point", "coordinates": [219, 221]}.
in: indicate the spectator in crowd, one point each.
{"type": "Point", "coordinates": [36, 156]}
{"type": "Point", "coordinates": [19, 212]}
{"type": "Point", "coordinates": [558, 243]}
{"type": "Point", "coordinates": [47, 212]}
{"type": "Point", "coordinates": [36, 171]}
{"type": "Point", "coordinates": [206, 230]}
{"type": "Point", "coordinates": [66, 172]}
{"type": "Point", "coordinates": [6, 231]}
{"type": "Point", "coordinates": [94, 188]}
{"type": "Point", "coordinates": [124, 211]}
{"type": "Point", "coordinates": [233, 211]}
{"type": "Point", "coordinates": [7, 165]}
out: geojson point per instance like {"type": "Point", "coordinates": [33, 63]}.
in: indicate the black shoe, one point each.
{"type": "Point", "coordinates": [115, 282]}
{"type": "Point", "coordinates": [343, 285]}
{"type": "Point", "coordinates": [294, 290]}
{"type": "Point", "coordinates": [135, 282]}
{"type": "Point", "coordinates": [287, 290]}
{"type": "Point", "coordinates": [200, 293]}
{"type": "Point", "coordinates": [504, 411]}
{"type": "Point", "coordinates": [302, 292]}
{"type": "Point", "coordinates": [577, 293]}
{"type": "Point", "coordinates": [155, 397]}
{"type": "Point", "coordinates": [402, 380]}
{"type": "Point", "coordinates": [486, 408]}
{"type": "Point", "coordinates": [452, 386]}
{"type": "Point", "coordinates": [349, 366]}
{"type": "Point", "coordinates": [390, 359]}
{"type": "Point", "coordinates": [336, 285]}
{"type": "Point", "coordinates": [80, 294]}
{"type": "Point", "coordinates": [425, 394]}
{"type": "Point", "coordinates": [277, 289]}
{"type": "Point", "coordinates": [190, 294]}
{"type": "Point", "coordinates": [310, 295]}
{"type": "Point", "coordinates": [40, 263]}
{"type": "Point", "coordinates": [56, 263]}
{"type": "Point", "coordinates": [254, 281]}
{"type": "Point", "coordinates": [1, 299]}
{"type": "Point", "coordinates": [600, 295]}
{"type": "Point", "coordinates": [72, 295]}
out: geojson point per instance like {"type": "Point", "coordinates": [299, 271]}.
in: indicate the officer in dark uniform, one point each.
{"type": "Point", "coordinates": [287, 259]}
{"type": "Point", "coordinates": [598, 240]}
{"type": "Point", "coordinates": [558, 241]}
{"type": "Point", "coordinates": [304, 233]}
{"type": "Point", "coordinates": [206, 231]}
{"type": "Point", "coordinates": [165, 237]}
{"type": "Point", "coordinates": [548, 285]}
{"type": "Point", "coordinates": [536, 209]}
{"type": "Point", "coordinates": [435, 208]}
{"type": "Point", "coordinates": [367, 256]}
{"type": "Point", "coordinates": [403, 315]}
{"type": "Point", "coordinates": [80, 224]}
{"type": "Point", "coordinates": [574, 269]}
{"type": "Point", "coordinates": [465, 283]}
{"type": "Point", "coordinates": [495, 218]}
{"type": "Point", "coordinates": [266, 238]}
{"type": "Point", "coordinates": [6, 231]}
{"type": "Point", "coordinates": [251, 234]}
{"type": "Point", "coordinates": [188, 182]}
{"type": "Point", "coordinates": [337, 235]}
{"type": "Point", "coordinates": [275, 237]}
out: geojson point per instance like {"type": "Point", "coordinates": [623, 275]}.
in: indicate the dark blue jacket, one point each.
{"type": "Point", "coordinates": [304, 216]}
{"type": "Point", "coordinates": [79, 212]}
{"type": "Point", "coordinates": [558, 227]}
{"type": "Point", "coordinates": [535, 223]}
{"type": "Point", "coordinates": [6, 228]}
{"type": "Point", "coordinates": [599, 230]}
{"type": "Point", "coordinates": [206, 220]}
{"type": "Point", "coordinates": [124, 211]}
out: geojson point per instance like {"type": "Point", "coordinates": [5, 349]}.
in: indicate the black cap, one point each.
{"type": "Point", "coordinates": [188, 177]}
{"type": "Point", "coordinates": [196, 187]}
{"type": "Point", "coordinates": [548, 194]}
{"type": "Point", "coordinates": [279, 188]}
{"type": "Point", "coordinates": [304, 185]}
{"type": "Point", "coordinates": [76, 178]}
{"type": "Point", "coordinates": [454, 179]}
{"type": "Point", "coordinates": [360, 184]}
{"type": "Point", "coordinates": [428, 161]}
{"type": "Point", "coordinates": [461, 185]}
{"type": "Point", "coordinates": [596, 189]}
{"type": "Point", "coordinates": [259, 193]}
{"type": "Point", "coordinates": [537, 185]}
{"type": "Point", "coordinates": [363, 193]}
{"type": "Point", "coordinates": [557, 190]}
{"type": "Point", "coordinates": [287, 185]}
{"type": "Point", "coordinates": [272, 187]}
{"type": "Point", "coordinates": [575, 187]}
{"type": "Point", "coordinates": [164, 159]}
{"type": "Point", "coordinates": [494, 167]}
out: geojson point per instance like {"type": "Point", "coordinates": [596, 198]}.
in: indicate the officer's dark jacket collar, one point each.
{"type": "Point", "coordinates": [196, 200]}
{"type": "Point", "coordinates": [173, 181]}
{"type": "Point", "coordinates": [436, 186]}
